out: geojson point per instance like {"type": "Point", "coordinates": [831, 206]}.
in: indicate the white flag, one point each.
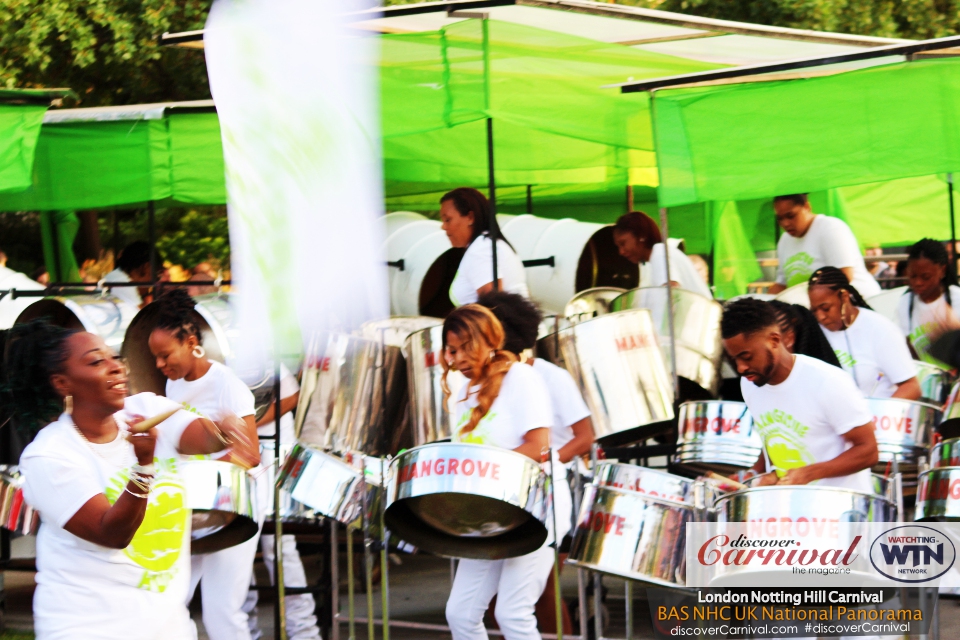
{"type": "Point", "coordinates": [296, 94]}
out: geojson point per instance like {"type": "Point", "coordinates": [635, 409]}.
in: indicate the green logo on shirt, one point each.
{"type": "Point", "coordinates": [480, 434]}
{"type": "Point", "coordinates": [797, 268]}
{"type": "Point", "coordinates": [158, 543]}
{"type": "Point", "coordinates": [783, 440]}
{"type": "Point", "coordinates": [847, 361]}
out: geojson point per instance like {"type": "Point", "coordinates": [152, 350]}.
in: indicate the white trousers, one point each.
{"type": "Point", "coordinates": [224, 578]}
{"type": "Point", "coordinates": [301, 618]}
{"type": "Point", "coordinates": [517, 583]}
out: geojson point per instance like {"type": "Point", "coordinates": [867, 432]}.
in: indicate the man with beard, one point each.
{"type": "Point", "coordinates": [815, 423]}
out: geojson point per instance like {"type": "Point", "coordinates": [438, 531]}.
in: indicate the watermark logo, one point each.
{"type": "Point", "coordinates": [912, 554]}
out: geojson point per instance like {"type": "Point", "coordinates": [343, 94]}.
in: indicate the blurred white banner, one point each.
{"type": "Point", "coordinates": [296, 94]}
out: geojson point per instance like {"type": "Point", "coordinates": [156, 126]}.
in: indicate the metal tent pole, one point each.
{"type": "Point", "coordinates": [491, 176]}
{"type": "Point", "coordinates": [953, 227]}
{"type": "Point", "coordinates": [152, 231]}
{"type": "Point", "coordinates": [670, 318]}
{"type": "Point", "coordinates": [280, 606]}
{"type": "Point", "coordinates": [334, 579]}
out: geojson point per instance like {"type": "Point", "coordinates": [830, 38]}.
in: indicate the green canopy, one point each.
{"type": "Point", "coordinates": [19, 130]}
{"type": "Point", "coordinates": [759, 139]}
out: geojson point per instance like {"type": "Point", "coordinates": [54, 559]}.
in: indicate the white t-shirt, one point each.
{"type": "Point", "coordinates": [127, 294]}
{"type": "Point", "coordinates": [829, 242]}
{"type": "Point", "coordinates": [802, 419]}
{"type": "Point", "coordinates": [874, 352]}
{"type": "Point", "coordinates": [522, 405]}
{"type": "Point", "coordinates": [654, 272]}
{"type": "Point", "coordinates": [476, 270]}
{"type": "Point", "coordinates": [927, 319]}
{"type": "Point", "coordinates": [215, 395]}
{"type": "Point", "coordinates": [565, 399]}
{"type": "Point", "coordinates": [288, 387]}
{"type": "Point", "coordinates": [62, 472]}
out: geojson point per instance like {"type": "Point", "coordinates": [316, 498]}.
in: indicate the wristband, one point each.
{"type": "Point", "coordinates": [143, 469]}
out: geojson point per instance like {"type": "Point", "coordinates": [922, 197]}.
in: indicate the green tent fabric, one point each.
{"type": "Point", "coordinates": [19, 130]}
{"type": "Point", "coordinates": [759, 139]}
{"type": "Point", "coordinates": [58, 229]}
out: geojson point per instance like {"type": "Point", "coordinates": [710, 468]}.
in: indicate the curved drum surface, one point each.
{"type": "Point", "coordinates": [591, 303]}
{"type": "Point", "coordinates": [808, 512]}
{"type": "Point", "coordinates": [105, 316]}
{"type": "Point", "coordinates": [718, 435]}
{"type": "Point", "coordinates": [697, 328]}
{"type": "Point", "coordinates": [649, 482]}
{"type": "Point", "coordinates": [617, 363]}
{"type": "Point", "coordinates": [330, 485]}
{"type": "Point", "coordinates": [631, 535]}
{"type": "Point", "coordinates": [903, 428]}
{"type": "Point", "coordinates": [431, 416]}
{"type": "Point", "coordinates": [290, 510]}
{"type": "Point", "coordinates": [223, 498]}
{"type": "Point", "coordinates": [15, 514]}
{"type": "Point", "coordinates": [548, 340]}
{"type": "Point", "coordinates": [938, 495]}
{"type": "Point", "coordinates": [945, 453]}
{"type": "Point", "coordinates": [467, 501]}
{"type": "Point", "coordinates": [949, 426]}
{"type": "Point", "coordinates": [797, 294]}
{"type": "Point", "coordinates": [935, 382]}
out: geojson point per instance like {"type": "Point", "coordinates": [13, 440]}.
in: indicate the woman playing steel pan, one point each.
{"type": "Point", "coordinates": [504, 405]}
{"type": "Point", "coordinates": [868, 346]}
{"type": "Point", "coordinates": [926, 311]}
{"type": "Point", "coordinates": [212, 390]}
{"type": "Point", "coordinates": [112, 552]}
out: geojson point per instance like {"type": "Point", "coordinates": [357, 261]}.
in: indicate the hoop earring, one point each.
{"type": "Point", "coordinates": [68, 405]}
{"type": "Point", "coordinates": [198, 352]}
{"type": "Point", "coordinates": [843, 314]}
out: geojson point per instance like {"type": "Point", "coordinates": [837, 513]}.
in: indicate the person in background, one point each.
{"type": "Point", "coordinates": [812, 241]}
{"type": "Point", "coordinates": [133, 265]}
{"type": "Point", "coordinates": [638, 240]}
{"type": "Point", "coordinates": [868, 345]}
{"type": "Point", "coordinates": [203, 272]}
{"type": "Point", "coordinates": [814, 422]}
{"type": "Point", "coordinates": [879, 268]}
{"type": "Point", "coordinates": [505, 404]}
{"type": "Point", "coordinates": [209, 389]}
{"type": "Point", "coordinates": [40, 275]}
{"type": "Point", "coordinates": [925, 312]}
{"type": "Point", "coordinates": [300, 609]}
{"type": "Point", "coordinates": [466, 217]}
{"type": "Point", "coordinates": [801, 332]}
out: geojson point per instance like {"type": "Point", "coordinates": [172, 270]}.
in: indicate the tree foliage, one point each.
{"type": "Point", "coordinates": [105, 50]}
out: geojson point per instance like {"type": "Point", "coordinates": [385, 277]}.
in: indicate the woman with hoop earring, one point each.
{"type": "Point", "coordinates": [210, 389]}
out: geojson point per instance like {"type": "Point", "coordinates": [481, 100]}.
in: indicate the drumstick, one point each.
{"type": "Point", "coordinates": [150, 423]}
{"type": "Point", "coordinates": [726, 481]}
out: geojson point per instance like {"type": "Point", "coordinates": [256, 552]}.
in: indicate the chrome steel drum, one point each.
{"type": "Point", "coordinates": [330, 485]}
{"type": "Point", "coordinates": [717, 435]}
{"type": "Point", "coordinates": [223, 498]}
{"type": "Point", "coordinates": [431, 415]}
{"type": "Point", "coordinates": [935, 382]}
{"type": "Point", "coordinates": [949, 426]}
{"type": "Point", "coordinates": [15, 514]}
{"type": "Point", "coordinates": [548, 339]}
{"type": "Point", "coordinates": [631, 535]}
{"type": "Point", "coordinates": [938, 495]}
{"type": "Point", "coordinates": [945, 453]}
{"type": "Point", "coordinates": [217, 323]}
{"type": "Point", "coordinates": [697, 328]}
{"type": "Point", "coordinates": [105, 316]}
{"type": "Point", "coordinates": [591, 303]}
{"type": "Point", "coordinates": [903, 428]}
{"type": "Point", "coordinates": [290, 510]}
{"type": "Point", "coordinates": [616, 361]}
{"type": "Point", "coordinates": [650, 482]}
{"type": "Point", "coordinates": [467, 501]}
{"type": "Point", "coordinates": [797, 294]}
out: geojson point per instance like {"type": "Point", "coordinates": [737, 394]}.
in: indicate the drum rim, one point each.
{"type": "Point", "coordinates": [714, 401]}
{"type": "Point", "coordinates": [657, 472]}
{"type": "Point", "coordinates": [488, 447]}
{"type": "Point", "coordinates": [643, 496]}
{"type": "Point", "coordinates": [605, 316]}
{"type": "Point", "coordinates": [928, 405]}
{"type": "Point", "coordinates": [801, 487]}
{"type": "Point", "coordinates": [661, 288]}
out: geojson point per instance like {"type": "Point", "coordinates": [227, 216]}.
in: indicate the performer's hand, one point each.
{"type": "Point", "coordinates": [766, 480]}
{"type": "Point", "coordinates": [143, 443]}
{"type": "Point", "coordinates": [243, 449]}
{"type": "Point", "coordinates": [800, 475]}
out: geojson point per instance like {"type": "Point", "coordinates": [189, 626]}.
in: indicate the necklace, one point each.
{"type": "Point", "coordinates": [87, 441]}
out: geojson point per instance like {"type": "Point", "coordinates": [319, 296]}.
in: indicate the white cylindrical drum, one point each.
{"type": "Point", "coordinates": [797, 294]}
{"type": "Point", "coordinates": [105, 316]}
{"type": "Point", "coordinates": [886, 303]}
{"type": "Point", "coordinates": [11, 308]}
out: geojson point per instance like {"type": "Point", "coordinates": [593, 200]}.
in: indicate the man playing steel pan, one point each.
{"type": "Point", "coordinates": [814, 421]}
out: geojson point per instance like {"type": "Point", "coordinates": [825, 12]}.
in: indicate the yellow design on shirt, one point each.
{"type": "Point", "coordinates": [480, 434]}
{"type": "Point", "coordinates": [783, 441]}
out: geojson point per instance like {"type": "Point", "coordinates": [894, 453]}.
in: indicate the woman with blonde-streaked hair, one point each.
{"type": "Point", "coordinates": [504, 405]}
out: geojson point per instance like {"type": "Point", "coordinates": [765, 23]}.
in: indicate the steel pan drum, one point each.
{"type": "Point", "coordinates": [431, 415]}
{"type": "Point", "coordinates": [548, 340]}
{"type": "Point", "coordinates": [467, 501]}
{"type": "Point", "coordinates": [935, 382]}
{"type": "Point", "coordinates": [223, 498]}
{"type": "Point", "coordinates": [631, 535]}
{"type": "Point", "coordinates": [645, 481]}
{"type": "Point", "coordinates": [15, 514]}
{"type": "Point", "coordinates": [903, 428]}
{"type": "Point", "coordinates": [105, 316]}
{"type": "Point", "coordinates": [697, 328]}
{"type": "Point", "coordinates": [797, 294]}
{"type": "Point", "coordinates": [217, 323]}
{"type": "Point", "coordinates": [945, 453]}
{"type": "Point", "coordinates": [290, 510]}
{"type": "Point", "coordinates": [949, 426]}
{"type": "Point", "coordinates": [617, 363]}
{"type": "Point", "coordinates": [717, 435]}
{"type": "Point", "coordinates": [938, 495]}
{"type": "Point", "coordinates": [591, 303]}
{"type": "Point", "coordinates": [330, 485]}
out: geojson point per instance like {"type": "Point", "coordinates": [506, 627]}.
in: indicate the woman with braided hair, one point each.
{"type": "Point", "coordinates": [868, 345]}
{"type": "Point", "coordinates": [507, 405]}
{"type": "Point", "coordinates": [209, 389]}
{"type": "Point", "coordinates": [801, 332]}
{"type": "Point", "coordinates": [926, 311]}
{"type": "Point", "coordinates": [112, 554]}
